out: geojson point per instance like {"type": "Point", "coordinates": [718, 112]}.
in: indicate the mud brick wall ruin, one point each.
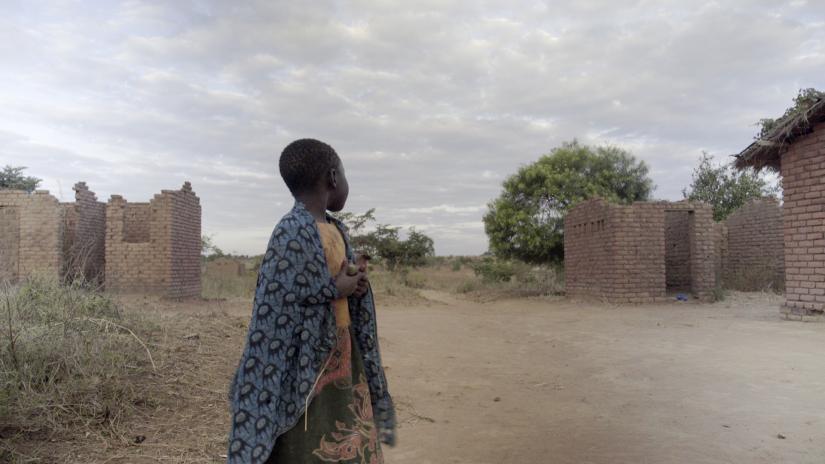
{"type": "Point", "coordinates": [620, 253]}
{"type": "Point", "coordinates": [155, 247]}
{"type": "Point", "coordinates": [130, 247]}
{"type": "Point", "coordinates": [84, 235]}
{"type": "Point", "coordinates": [803, 180]}
{"type": "Point", "coordinates": [31, 234]}
{"type": "Point", "coordinates": [754, 256]}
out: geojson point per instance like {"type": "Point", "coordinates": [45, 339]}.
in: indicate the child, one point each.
{"type": "Point", "coordinates": [310, 386]}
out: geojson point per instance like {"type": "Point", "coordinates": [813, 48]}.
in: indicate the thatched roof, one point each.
{"type": "Point", "coordinates": [766, 151]}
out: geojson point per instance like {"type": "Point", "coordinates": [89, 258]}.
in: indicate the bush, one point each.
{"type": "Point", "coordinates": [413, 279]}
{"type": "Point", "coordinates": [493, 270]}
{"type": "Point", "coordinates": [719, 294]}
{"type": "Point", "coordinates": [468, 286]}
{"type": "Point", "coordinates": [66, 358]}
{"type": "Point", "coordinates": [391, 283]}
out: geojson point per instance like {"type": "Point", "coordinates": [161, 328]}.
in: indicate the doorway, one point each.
{"type": "Point", "coordinates": [678, 227]}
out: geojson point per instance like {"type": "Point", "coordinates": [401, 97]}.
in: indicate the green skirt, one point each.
{"type": "Point", "coordinates": [339, 425]}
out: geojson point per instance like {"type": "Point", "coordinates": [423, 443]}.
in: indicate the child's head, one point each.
{"type": "Point", "coordinates": [311, 167]}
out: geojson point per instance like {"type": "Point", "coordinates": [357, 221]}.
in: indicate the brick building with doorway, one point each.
{"type": "Point", "coordinates": [641, 252]}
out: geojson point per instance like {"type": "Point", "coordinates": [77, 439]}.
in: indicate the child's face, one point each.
{"type": "Point", "coordinates": [340, 192]}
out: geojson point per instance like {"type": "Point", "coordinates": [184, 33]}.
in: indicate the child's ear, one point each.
{"type": "Point", "coordinates": [333, 178]}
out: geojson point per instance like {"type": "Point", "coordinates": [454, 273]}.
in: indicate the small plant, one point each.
{"type": "Point", "coordinates": [719, 293]}
{"type": "Point", "coordinates": [468, 286]}
{"type": "Point", "coordinates": [414, 279]}
{"type": "Point", "coordinates": [456, 266]}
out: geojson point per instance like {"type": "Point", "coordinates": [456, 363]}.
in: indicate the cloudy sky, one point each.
{"type": "Point", "coordinates": [431, 104]}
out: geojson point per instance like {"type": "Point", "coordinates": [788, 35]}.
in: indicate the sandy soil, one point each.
{"type": "Point", "coordinates": [528, 381]}
{"type": "Point", "coordinates": [559, 382]}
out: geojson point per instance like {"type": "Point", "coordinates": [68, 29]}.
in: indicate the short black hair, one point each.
{"type": "Point", "coordinates": [303, 162]}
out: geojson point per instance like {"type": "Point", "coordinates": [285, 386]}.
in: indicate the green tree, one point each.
{"type": "Point", "coordinates": [355, 222]}
{"type": "Point", "coordinates": [12, 178]}
{"type": "Point", "coordinates": [384, 243]}
{"type": "Point", "coordinates": [725, 188]}
{"type": "Point", "coordinates": [527, 221]}
{"type": "Point", "coordinates": [416, 249]}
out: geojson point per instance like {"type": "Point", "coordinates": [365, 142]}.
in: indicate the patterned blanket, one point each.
{"type": "Point", "coordinates": [291, 335]}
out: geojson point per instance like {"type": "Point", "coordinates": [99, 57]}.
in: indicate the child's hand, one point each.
{"type": "Point", "coordinates": [363, 283]}
{"type": "Point", "coordinates": [347, 284]}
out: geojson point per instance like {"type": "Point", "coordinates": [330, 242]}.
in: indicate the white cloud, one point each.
{"type": "Point", "coordinates": [430, 104]}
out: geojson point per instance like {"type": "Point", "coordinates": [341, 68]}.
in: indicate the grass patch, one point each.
{"type": "Point", "coordinates": [227, 286]}
{"type": "Point", "coordinates": [68, 359]}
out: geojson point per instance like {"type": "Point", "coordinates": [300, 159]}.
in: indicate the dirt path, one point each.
{"type": "Point", "coordinates": [530, 381]}
{"type": "Point", "coordinates": [551, 381]}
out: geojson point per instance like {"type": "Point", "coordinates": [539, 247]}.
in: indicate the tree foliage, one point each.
{"type": "Point", "coordinates": [527, 221]}
{"type": "Point", "coordinates": [12, 178]}
{"type": "Point", "coordinates": [208, 248]}
{"type": "Point", "coordinates": [725, 188]}
{"type": "Point", "coordinates": [384, 242]}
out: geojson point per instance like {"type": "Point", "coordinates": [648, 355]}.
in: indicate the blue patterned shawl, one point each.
{"type": "Point", "coordinates": [291, 335]}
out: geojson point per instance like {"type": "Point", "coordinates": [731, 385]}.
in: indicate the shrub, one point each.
{"type": "Point", "coordinates": [719, 294]}
{"type": "Point", "coordinates": [413, 279]}
{"type": "Point", "coordinates": [468, 286]}
{"type": "Point", "coordinates": [493, 270]}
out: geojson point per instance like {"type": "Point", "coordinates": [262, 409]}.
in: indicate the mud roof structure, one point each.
{"type": "Point", "coordinates": [767, 150]}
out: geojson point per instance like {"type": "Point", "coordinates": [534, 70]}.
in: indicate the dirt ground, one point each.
{"type": "Point", "coordinates": [541, 380]}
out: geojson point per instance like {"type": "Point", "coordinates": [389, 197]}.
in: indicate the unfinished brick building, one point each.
{"type": "Point", "coordinates": [152, 247]}
{"type": "Point", "coordinates": [796, 148]}
{"type": "Point", "coordinates": [639, 253]}
{"type": "Point", "coordinates": [40, 235]}
{"type": "Point", "coordinates": [155, 247]}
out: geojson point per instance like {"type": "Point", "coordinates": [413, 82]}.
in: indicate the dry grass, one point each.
{"type": "Point", "coordinates": [228, 286]}
{"type": "Point", "coordinates": [756, 278]}
{"type": "Point", "coordinates": [69, 358]}
{"type": "Point", "coordinates": [108, 404]}
{"type": "Point", "coordinates": [457, 276]}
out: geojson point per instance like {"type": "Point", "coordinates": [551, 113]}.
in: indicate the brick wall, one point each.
{"type": "Point", "coordinates": [9, 242]}
{"type": "Point", "coordinates": [720, 251]}
{"type": "Point", "coordinates": [186, 244]}
{"type": "Point", "coordinates": [639, 247]}
{"type": "Point", "coordinates": [618, 252]}
{"type": "Point", "coordinates": [32, 230]}
{"type": "Point", "coordinates": [132, 267]}
{"type": "Point", "coordinates": [84, 236]}
{"type": "Point", "coordinates": [803, 180]}
{"type": "Point", "coordinates": [588, 250]}
{"type": "Point", "coordinates": [137, 220]}
{"type": "Point", "coordinates": [162, 254]}
{"type": "Point", "coordinates": [755, 259]}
